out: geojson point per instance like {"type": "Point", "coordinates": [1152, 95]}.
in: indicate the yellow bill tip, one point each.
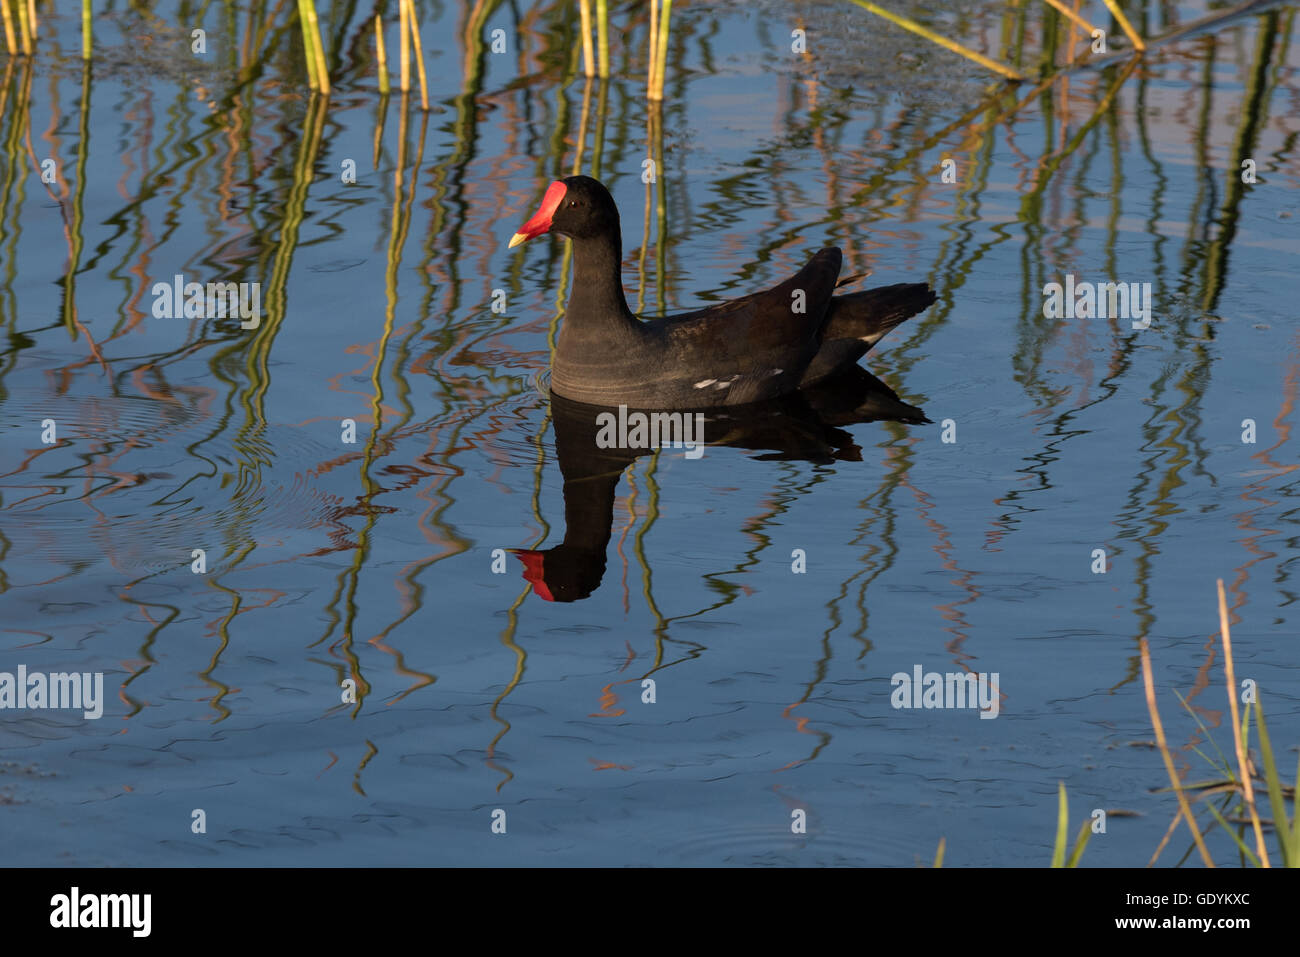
{"type": "Point", "coordinates": [516, 239]}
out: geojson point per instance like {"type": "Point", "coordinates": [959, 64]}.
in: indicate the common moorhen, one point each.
{"type": "Point", "coordinates": [751, 349]}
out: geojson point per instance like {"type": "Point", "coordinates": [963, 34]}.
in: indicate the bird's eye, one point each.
{"type": "Point", "coordinates": [573, 202]}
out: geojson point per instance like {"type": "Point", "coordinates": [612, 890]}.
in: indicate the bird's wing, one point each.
{"type": "Point", "coordinates": [780, 327]}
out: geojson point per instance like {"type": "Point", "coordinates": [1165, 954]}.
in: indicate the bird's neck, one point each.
{"type": "Point", "coordinates": [597, 304]}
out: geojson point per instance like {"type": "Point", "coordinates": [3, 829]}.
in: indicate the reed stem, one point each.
{"type": "Point", "coordinates": [1243, 766]}
{"type": "Point", "coordinates": [24, 29]}
{"type": "Point", "coordinates": [318, 49]}
{"type": "Point", "coordinates": [602, 36]}
{"type": "Point", "coordinates": [1184, 807]}
{"type": "Point", "coordinates": [1124, 25]}
{"type": "Point", "coordinates": [661, 54]}
{"type": "Point", "coordinates": [943, 41]}
{"type": "Point", "coordinates": [382, 55]}
{"type": "Point", "coordinates": [1057, 5]}
{"type": "Point", "coordinates": [419, 56]}
{"type": "Point", "coordinates": [588, 60]}
{"type": "Point", "coordinates": [11, 42]}
{"type": "Point", "coordinates": [85, 29]}
{"type": "Point", "coordinates": [651, 59]}
{"type": "Point", "coordinates": [309, 58]}
{"type": "Point", "coordinates": [405, 31]}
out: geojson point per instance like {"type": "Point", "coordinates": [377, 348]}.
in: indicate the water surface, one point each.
{"type": "Point", "coordinates": [384, 561]}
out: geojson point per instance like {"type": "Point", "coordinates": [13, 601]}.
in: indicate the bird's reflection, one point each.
{"type": "Point", "coordinates": [806, 425]}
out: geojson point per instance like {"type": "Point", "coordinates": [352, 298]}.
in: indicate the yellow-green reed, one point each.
{"type": "Point", "coordinates": [1288, 833]}
{"type": "Point", "coordinates": [1248, 789]}
{"type": "Point", "coordinates": [308, 56]}
{"type": "Point", "coordinates": [652, 45]}
{"type": "Point", "coordinates": [598, 146]}
{"type": "Point", "coordinates": [1061, 8]}
{"type": "Point", "coordinates": [419, 54]}
{"type": "Point", "coordinates": [659, 51]}
{"type": "Point", "coordinates": [405, 32]}
{"type": "Point", "coordinates": [318, 49]}
{"type": "Point", "coordinates": [581, 140]}
{"type": "Point", "coordinates": [85, 29]}
{"type": "Point", "coordinates": [380, 119]}
{"type": "Point", "coordinates": [24, 27]}
{"type": "Point", "coordinates": [1184, 806]}
{"type": "Point", "coordinates": [382, 56]}
{"type": "Point", "coordinates": [588, 58]}
{"type": "Point", "coordinates": [1237, 781]}
{"type": "Point", "coordinates": [1124, 25]}
{"type": "Point", "coordinates": [943, 41]}
{"type": "Point", "coordinates": [602, 37]}
{"type": "Point", "coordinates": [1062, 831]}
{"type": "Point", "coordinates": [11, 43]}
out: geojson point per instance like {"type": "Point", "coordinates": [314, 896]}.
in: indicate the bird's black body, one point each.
{"type": "Point", "coordinates": [756, 348]}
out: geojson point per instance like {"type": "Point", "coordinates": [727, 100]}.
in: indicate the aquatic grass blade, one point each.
{"type": "Point", "coordinates": [943, 41]}
{"type": "Point", "coordinates": [1226, 764]}
{"type": "Point", "coordinates": [1232, 833]}
{"type": "Point", "coordinates": [1243, 766]}
{"type": "Point", "coordinates": [1062, 825]}
{"type": "Point", "coordinates": [1080, 842]}
{"type": "Point", "coordinates": [1285, 832]}
{"type": "Point", "coordinates": [1148, 683]}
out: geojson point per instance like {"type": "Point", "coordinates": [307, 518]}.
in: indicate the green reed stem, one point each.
{"type": "Point", "coordinates": [1124, 25]}
{"type": "Point", "coordinates": [602, 36]}
{"type": "Point", "coordinates": [24, 29]}
{"type": "Point", "coordinates": [405, 31]}
{"type": "Point", "coordinates": [419, 56]}
{"type": "Point", "coordinates": [661, 53]}
{"type": "Point", "coordinates": [651, 60]}
{"type": "Point", "coordinates": [943, 41]}
{"type": "Point", "coordinates": [318, 49]}
{"type": "Point", "coordinates": [11, 43]}
{"type": "Point", "coordinates": [307, 53]}
{"type": "Point", "coordinates": [382, 55]}
{"type": "Point", "coordinates": [588, 59]}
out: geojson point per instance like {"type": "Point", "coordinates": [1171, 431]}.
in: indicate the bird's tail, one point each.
{"type": "Point", "coordinates": [869, 314]}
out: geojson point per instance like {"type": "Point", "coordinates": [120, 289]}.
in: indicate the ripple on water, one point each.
{"type": "Point", "coordinates": [771, 841]}
{"type": "Point", "coordinates": [191, 480]}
